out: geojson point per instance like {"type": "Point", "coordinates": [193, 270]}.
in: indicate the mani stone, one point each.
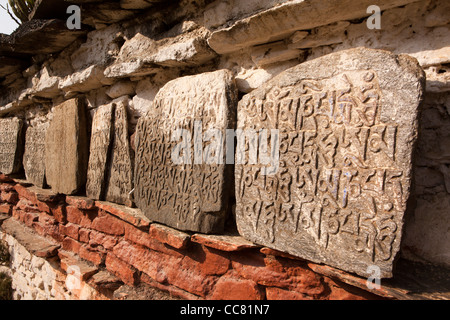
{"type": "Point", "coordinates": [34, 155]}
{"type": "Point", "coordinates": [66, 148]}
{"type": "Point", "coordinates": [99, 149]}
{"type": "Point", "coordinates": [11, 145]}
{"type": "Point", "coordinates": [347, 124]}
{"type": "Point", "coordinates": [121, 164]}
{"type": "Point", "coordinates": [191, 194]}
{"type": "Point", "coordinates": [110, 170]}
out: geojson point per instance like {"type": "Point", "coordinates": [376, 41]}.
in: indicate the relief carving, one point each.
{"type": "Point", "coordinates": [340, 193]}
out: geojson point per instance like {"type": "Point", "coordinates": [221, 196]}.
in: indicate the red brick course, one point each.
{"type": "Point", "coordinates": [125, 243]}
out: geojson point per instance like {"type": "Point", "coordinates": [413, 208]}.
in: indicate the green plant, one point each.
{"type": "Point", "coordinates": [6, 291]}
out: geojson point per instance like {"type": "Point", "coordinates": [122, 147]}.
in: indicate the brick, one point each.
{"type": "Point", "coordinates": [10, 197]}
{"type": "Point", "coordinates": [130, 215]}
{"type": "Point", "coordinates": [121, 269]}
{"type": "Point", "coordinates": [142, 238]}
{"type": "Point", "coordinates": [48, 226]}
{"type": "Point", "coordinates": [26, 218]}
{"type": "Point", "coordinates": [176, 270]}
{"type": "Point", "coordinates": [24, 192]}
{"type": "Point", "coordinates": [83, 218]}
{"type": "Point", "coordinates": [98, 238]}
{"type": "Point", "coordinates": [172, 290]}
{"type": "Point", "coordinates": [95, 257]}
{"type": "Point", "coordinates": [70, 230]}
{"type": "Point", "coordinates": [5, 179]}
{"type": "Point", "coordinates": [81, 202]}
{"type": "Point", "coordinates": [232, 287]}
{"type": "Point", "coordinates": [43, 207]}
{"type": "Point", "coordinates": [279, 272]}
{"type": "Point", "coordinates": [224, 242]}
{"type": "Point", "coordinates": [26, 206]}
{"type": "Point", "coordinates": [170, 236]}
{"type": "Point", "coordinates": [7, 187]}
{"type": "Point", "coordinates": [104, 280]}
{"type": "Point", "coordinates": [74, 215]}
{"type": "Point", "coordinates": [30, 217]}
{"type": "Point", "coordinates": [71, 245]}
{"type": "Point", "coordinates": [84, 235]}
{"type": "Point", "coordinates": [108, 224]}
{"type": "Point", "coordinates": [46, 195]}
{"type": "Point", "coordinates": [274, 293]}
{"type": "Point", "coordinates": [6, 208]}
{"type": "Point", "coordinates": [59, 212]}
{"type": "Point", "coordinates": [207, 261]}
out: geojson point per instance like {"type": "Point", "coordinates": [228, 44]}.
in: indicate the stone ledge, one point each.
{"type": "Point", "coordinates": [228, 243]}
{"type": "Point", "coordinates": [279, 22]}
{"type": "Point", "coordinates": [172, 237]}
{"type": "Point", "coordinates": [35, 244]}
{"type": "Point", "coordinates": [130, 215]}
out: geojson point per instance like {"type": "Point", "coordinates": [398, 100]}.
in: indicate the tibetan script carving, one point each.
{"type": "Point", "coordinates": [11, 145]}
{"type": "Point", "coordinates": [191, 195]}
{"type": "Point", "coordinates": [34, 155]}
{"type": "Point", "coordinates": [347, 124]}
{"type": "Point", "coordinates": [99, 150]}
{"type": "Point", "coordinates": [120, 168]}
{"type": "Point", "coordinates": [66, 148]}
{"type": "Point", "coordinates": [110, 170]}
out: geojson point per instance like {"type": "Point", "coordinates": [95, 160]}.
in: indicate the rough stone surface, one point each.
{"type": "Point", "coordinates": [142, 55]}
{"type": "Point", "coordinates": [34, 155]}
{"type": "Point", "coordinates": [190, 195]}
{"type": "Point", "coordinates": [101, 133]}
{"type": "Point", "coordinates": [120, 168]}
{"type": "Point", "coordinates": [347, 126]}
{"type": "Point", "coordinates": [277, 23]}
{"type": "Point", "coordinates": [66, 148]}
{"type": "Point", "coordinates": [11, 145]}
{"type": "Point", "coordinates": [110, 171]}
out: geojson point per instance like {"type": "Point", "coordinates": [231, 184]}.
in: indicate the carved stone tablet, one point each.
{"type": "Point", "coordinates": [190, 194]}
{"type": "Point", "coordinates": [120, 168]}
{"type": "Point", "coordinates": [347, 126]}
{"type": "Point", "coordinates": [66, 148]}
{"type": "Point", "coordinates": [34, 155]}
{"type": "Point", "coordinates": [11, 145]}
{"type": "Point", "coordinates": [99, 151]}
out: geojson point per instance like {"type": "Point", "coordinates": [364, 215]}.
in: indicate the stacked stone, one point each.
{"type": "Point", "coordinates": [138, 114]}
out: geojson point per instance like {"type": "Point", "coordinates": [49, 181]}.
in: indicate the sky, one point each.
{"type": "Point", "coordinates": [7, 25]}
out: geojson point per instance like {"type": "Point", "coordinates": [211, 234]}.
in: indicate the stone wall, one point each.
{"type": "Point", "coordinates": [106, 248]}
{"type": "Point", "coordinates": [90, 113]}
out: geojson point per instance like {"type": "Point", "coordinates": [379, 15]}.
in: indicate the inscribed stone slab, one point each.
{"type": "Point", "coordinates": [99, 149]}
{"type": "Point", "coordinates": [66, 148]}
{"type": "Point", "coordinates": [120, 167]}
{"type": "Point", "coordinates": [34, 155]}
{"type": "Point", "coordinates": [191, 195]}
{"type": "Point", "coordinates": [347, 126]}
{"type": "Point", "coordinates": [11, 148]}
